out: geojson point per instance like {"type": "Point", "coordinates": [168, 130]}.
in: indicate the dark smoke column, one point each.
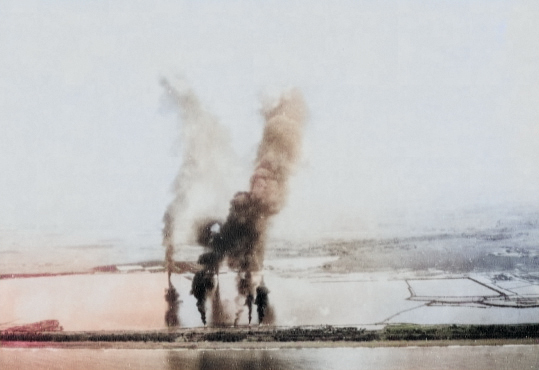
{"type": "Point", "coordinates": [242, 237]}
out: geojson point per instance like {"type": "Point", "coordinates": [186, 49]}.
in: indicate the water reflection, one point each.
{"type": "Point", "coordinates": [420, 358]}
{"type": "Point", "coordinates": [227, 359]}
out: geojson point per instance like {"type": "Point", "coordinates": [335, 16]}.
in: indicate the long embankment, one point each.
{"type": "Point", "coordinates": [324, 336]}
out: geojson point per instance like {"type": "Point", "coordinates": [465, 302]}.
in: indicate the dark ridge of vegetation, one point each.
{"type": "Point", "coordinates": [224, 336]}
{"type": "Point", "coordinates": [329, 333]}
{"type": "Point", "coordinates": [454, 332]}
{"type": "Point", "coordinates": [88, 337]}
{"type": "Point", "coordinates": [295, 334]}
{"type": "Point", "coordinates": [401, 332]}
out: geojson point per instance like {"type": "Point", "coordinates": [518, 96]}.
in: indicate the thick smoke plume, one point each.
{"type": "Point", "coordinates": [262, 302]}
{"type": "Point", "coordinates": [240, 239]}
{"type": "Point", "coordinates": [207, 157]}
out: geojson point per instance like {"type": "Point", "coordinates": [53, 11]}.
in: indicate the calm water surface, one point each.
{"type": "Point", "coordinates": [432, 358]}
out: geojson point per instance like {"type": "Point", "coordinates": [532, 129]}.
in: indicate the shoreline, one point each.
{"type": "Point", "coordinates": [397, 335]}
{"type": "Point", "coordinates": [265, 345]}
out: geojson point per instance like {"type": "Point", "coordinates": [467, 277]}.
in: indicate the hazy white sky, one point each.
{"type": "Point", "coordinates": [414, 105]}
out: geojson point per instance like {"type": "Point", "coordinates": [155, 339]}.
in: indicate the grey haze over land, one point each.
{"type": "Point", "coordinates": [417, 109]}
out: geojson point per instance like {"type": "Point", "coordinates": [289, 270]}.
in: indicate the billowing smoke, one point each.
{"type": "Point", "coordinates": [262, 302]}
{"type": "Point", "coordinates": [241, 237]}
{"type": "Point", "coordinates": [202, 286]}
{"type": "Point", "coordinates": [207, 158]}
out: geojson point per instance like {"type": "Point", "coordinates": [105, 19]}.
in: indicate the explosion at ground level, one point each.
{"type": "Point", "coordinates": [134, 301]}
{"type": "Point", "coordinates": [307, 287]}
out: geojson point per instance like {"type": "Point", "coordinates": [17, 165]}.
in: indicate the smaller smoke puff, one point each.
{"type": "Point", "coordinates": [219, 317]}
{"type": "Point", "coordinates": [244, 287]}
{"type": "Point", "coordinates": [172, 298]}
